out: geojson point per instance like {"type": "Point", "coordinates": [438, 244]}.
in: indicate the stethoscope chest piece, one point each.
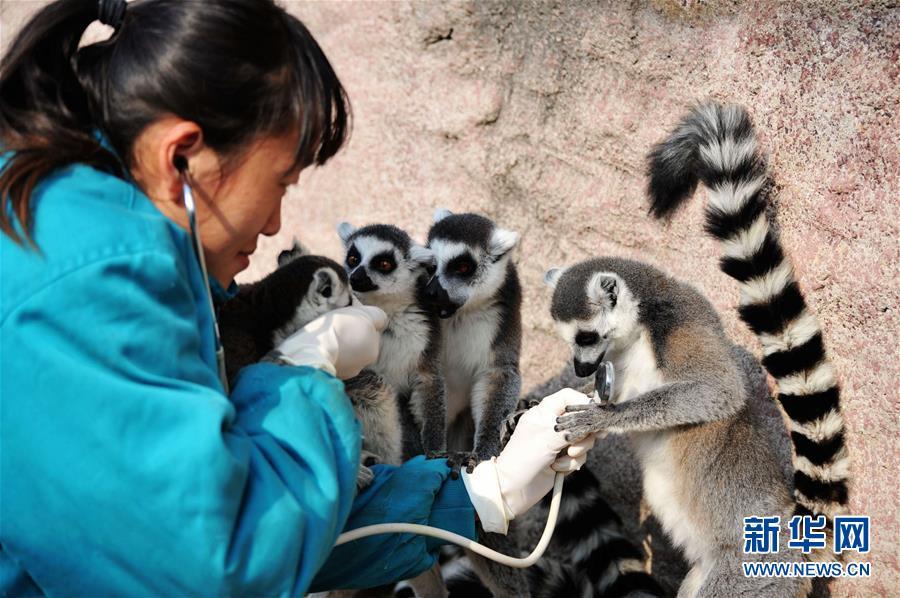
{"type": "Point", "coordinates": [604, 380]}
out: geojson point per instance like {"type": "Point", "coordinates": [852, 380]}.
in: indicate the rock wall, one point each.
{"type": "Point", "coordinates": [539, 114]}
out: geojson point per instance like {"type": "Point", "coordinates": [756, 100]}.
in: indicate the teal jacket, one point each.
{"type": "Point", "coordinates": [125, 469]}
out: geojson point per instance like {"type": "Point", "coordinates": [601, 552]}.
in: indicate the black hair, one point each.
{"type": "Point", "coordinates": [237, 68]}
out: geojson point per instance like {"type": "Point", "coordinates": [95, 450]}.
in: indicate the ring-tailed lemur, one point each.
{"type": "Point", "coordinates": [706, 461]}
{"type": "Point", "coordinates": [266, 312]}
{"type": "Point", "coordinates": [678, 394]}
{"type": "Point", "coordinates": [717, 144]}
{"type": "Point", "coordinates": [474, 288]}
{"type": "Point", "coordinates": [388, 270]}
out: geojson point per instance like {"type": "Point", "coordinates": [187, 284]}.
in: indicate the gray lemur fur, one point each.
{"type": "Point", "coordinates": [264, 313]}
{"type": "Point", "coordinates": [614, 465]}
{"type": "Point", "coordinates": [475, 290]}
{"type": "Point", "coordinates": [386, 269]}
{"type": "Point", "coordinates": [681, 399]}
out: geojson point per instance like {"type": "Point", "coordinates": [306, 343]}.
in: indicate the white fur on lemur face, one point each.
{"type": "Point", "coordinates": [327, 290]}
{"type": "Point", "coordinates": [607, 319]}
{"type": "Point", "coordinates": [469, 272]}
{"type": "Point", "coordinates": [382, 262]}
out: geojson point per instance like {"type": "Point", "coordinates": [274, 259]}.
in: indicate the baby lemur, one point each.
{"type": "Point", "coordinates": [706, 461]}
{"type": "Point", "coordinates": [386, 269]}
{"type": "Point", "coordinates": [266, 312]}
{"type": "Point", "coordinates": [474, 288]}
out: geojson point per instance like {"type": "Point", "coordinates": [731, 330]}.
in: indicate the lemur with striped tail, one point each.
{"type": "Point", "coordinates": [706, 460]}
{"type": "Point", "coordinates": [717, 144]}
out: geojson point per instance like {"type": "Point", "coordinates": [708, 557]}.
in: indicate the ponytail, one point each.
{"type": "Point", "coordinates": [45, 115]}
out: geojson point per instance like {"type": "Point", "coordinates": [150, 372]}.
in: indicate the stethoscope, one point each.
{"type": "Point", "coordinates": [190, 208]}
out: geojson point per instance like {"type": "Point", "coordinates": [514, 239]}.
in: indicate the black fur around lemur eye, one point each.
{"type": "Point", "coordinates": [586, 339]}
{"type": "Point", "coordinates": [353, 257]}
{"type": "Point", "coordinates": [384, 263]}
{"type": "Point", "coordinates": [463, 266]}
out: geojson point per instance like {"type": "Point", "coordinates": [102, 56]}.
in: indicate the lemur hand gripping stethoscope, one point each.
{"type": "Point", "coordinates": [604, 379]}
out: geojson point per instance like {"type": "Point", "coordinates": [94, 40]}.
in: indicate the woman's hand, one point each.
{"type": "Point", "coordinates": [510, 484]}
{"type": "Point", "coordinates": [341, 342]}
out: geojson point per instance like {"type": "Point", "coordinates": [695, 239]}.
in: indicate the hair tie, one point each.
{"type": "Point", "coordinates": [111, 12]}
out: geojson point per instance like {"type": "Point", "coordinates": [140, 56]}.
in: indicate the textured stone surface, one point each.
{"type": "Point", "coordinates": [539, 115]}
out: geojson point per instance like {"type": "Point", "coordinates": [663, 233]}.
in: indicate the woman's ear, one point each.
{"type": "Point", "coordinates": [178, 142]}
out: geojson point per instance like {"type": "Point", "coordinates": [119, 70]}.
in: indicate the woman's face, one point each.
{"type": "Point", "coordinates": [238, 202]}
{"type": "Point", "coordinates": [237, 198]}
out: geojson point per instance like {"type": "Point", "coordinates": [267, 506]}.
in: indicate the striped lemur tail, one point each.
{"type": "Point", "coordinates": [717, 145]}
{"type": "Point", "coordinates": [589, 556]}
{"type": "Point", "coordinates": [598, 559]}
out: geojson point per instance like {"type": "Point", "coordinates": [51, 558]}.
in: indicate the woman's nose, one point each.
{"type": "Point", "coordinates": [274, 224]}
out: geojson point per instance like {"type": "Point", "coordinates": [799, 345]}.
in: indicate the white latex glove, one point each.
{"type": "Point", "coordinates": [510, 484]}
{"type": "Point", "coordinates": [341, 342]}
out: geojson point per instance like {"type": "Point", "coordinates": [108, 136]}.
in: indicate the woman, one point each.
{"type": "Point", "coordinates": [126, 466]}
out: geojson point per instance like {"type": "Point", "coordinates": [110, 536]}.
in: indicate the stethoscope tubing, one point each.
{"type": "Point", "coordinates": [191, 209]}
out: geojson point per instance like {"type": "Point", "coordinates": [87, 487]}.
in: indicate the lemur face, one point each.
{"type": "Point", "coordinates": [470, 258]}
{"type": "Point", "coordinates": [382, 262]}
{"type": "Point", "coordinates": [309, 286]}
{"type": "Point", "coordinates": [592, 311]}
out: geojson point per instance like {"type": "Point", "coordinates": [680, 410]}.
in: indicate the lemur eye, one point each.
{"type": "Point", "coordinates": [462, 266]}
{"type": "Point", "coordinates": [586, 339]}
{"type": "Point", "coordinates": [384, 265]}
{"type": "Point", "coordinates": [352, 260]}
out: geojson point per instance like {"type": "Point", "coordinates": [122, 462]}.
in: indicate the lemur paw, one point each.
{"type": "Point", "coordinates": [455, 460]}
{"type": "Point", "coordinates": [512, 420]}
{"type": "Point", "coordinates": [364, 477]}
{"type": "Point", "coordinates": [580, 421]}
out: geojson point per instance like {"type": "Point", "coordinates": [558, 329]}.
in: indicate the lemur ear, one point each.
{"type": "Point", "coordinates": [421, 255]}
{"type": "Point", "coordinates": [323, 283]}
{"type": "Point", "coordinates": [552, 277]}
{"type": "Point", "coordinates": [441, 213]}
{"type": "Point", "coordinates": [289, 255]}
{"type": "Point", "coordinates": [344, 230]}
{"type": "Point", "coordinates": [502, 242]}
{"type": "Point", "coordinates": [603, 290]}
